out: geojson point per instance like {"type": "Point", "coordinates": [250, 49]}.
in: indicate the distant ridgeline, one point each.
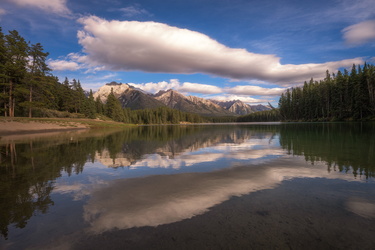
{"type": "Point", "coordinates": [344, 96]}
{"type": "Point", "coordinates": [113, 83]}
{"type": "Point", "coordinates": [136, 99]}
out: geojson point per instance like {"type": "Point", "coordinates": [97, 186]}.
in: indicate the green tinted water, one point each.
{"type": "Point", "coordinates": [208, 186]}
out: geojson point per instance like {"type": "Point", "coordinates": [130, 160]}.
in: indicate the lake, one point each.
{"type": "Point", "coordinates": [237, 186]}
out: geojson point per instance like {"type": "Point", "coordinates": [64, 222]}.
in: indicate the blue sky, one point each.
{"type": "Point", "coordinates": [220, 49]}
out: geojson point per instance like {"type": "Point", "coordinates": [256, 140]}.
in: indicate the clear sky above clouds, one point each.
{"type": "Point", "coordinates": [220, 49]}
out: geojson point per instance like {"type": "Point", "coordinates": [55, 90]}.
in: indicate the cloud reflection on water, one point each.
{"type": "Point", "coordinates": [162, 199]}
{"type": "Point", "coordinates": [361, 207]}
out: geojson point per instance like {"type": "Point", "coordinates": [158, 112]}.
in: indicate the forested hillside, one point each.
{"type": "Point", "coordinates": [341, 96]}
{"type": "Point", "coordinates": [27, 87]}
{"type": "Point", "coordinates": [261, 116]}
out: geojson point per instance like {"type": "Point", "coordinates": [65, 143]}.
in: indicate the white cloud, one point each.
{"type": "Point", "coordinates": [199, 88]}
{"type": "Point", "coordinates": [76, 57]}
{"type": "Point", "coordinates": [109, 76]}
{"type": "Point", "coordinates": [60, 65]}
{"type": "Point", "coordinates": [350, 10]}
{"type": "Point", "coordinates": [157, 47]}
{"type": "Point", "coordinates": [72, 62]}
{"type": "Point", "coordinates": [87, 85]}
{"type": "Point", "coordinates": [153, 87]}
{"type": "Point", "coordinates": [53, 6]}
{"type": "Point", "coordinates": [255, 90]}
{"type": "Point", "coordinates": [360, 33]}
{"type": "Point", "coordinates": [2, 12]}
{"type": "Point", "coordinates": [245, 99]}
{"type": "Point", "coordinates": [186, 87]}
{"type": "Point", "coordinates": [242, 93]}
{"type": "Point", "coordinates": [134, 10]}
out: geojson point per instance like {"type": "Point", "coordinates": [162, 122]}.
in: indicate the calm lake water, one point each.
{"type": "Point", "coordinates": [260, 186]}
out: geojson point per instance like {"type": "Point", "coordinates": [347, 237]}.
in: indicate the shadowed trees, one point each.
{"type": "Point", "coordinates": [342, 96]}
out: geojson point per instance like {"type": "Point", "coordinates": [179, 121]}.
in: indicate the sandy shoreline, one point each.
{"type": "Point", "coordinates": [17, 127]}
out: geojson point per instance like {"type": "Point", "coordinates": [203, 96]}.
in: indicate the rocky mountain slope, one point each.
{"type": "Point", "coordinates": [191, 104]}
{"type": "Point", "coordinates": [260, 107]}
{"type": "Point", "coordinates": [240, 108]}
{"type": "Point", "coordinates": [134, 98]}
{"type": "Point", "coordinates": [129, 96]}
{"type": "Point", "coordinates": [236, 107]}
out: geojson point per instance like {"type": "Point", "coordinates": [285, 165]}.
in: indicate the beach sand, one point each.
{"type": "Point", "coordinates": [18, 127]}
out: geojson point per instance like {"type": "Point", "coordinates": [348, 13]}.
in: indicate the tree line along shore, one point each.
{"type": "Point", "coordinates": [339, 97]}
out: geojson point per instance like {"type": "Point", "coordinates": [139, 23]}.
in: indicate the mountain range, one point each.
{"type": "Point", "coordinates": [133, 98]}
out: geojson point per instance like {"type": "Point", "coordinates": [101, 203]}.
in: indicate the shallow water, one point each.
{"type": "Point", "coordinates": [182, 187]}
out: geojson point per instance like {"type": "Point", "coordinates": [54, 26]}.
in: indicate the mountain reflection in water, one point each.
{"type": "Point", "coordinates": [161, 199]}
{"type": "Point", "coordinates": [150, 176]}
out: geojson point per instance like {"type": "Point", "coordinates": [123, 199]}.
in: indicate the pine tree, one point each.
{"type": "Point", "coordinates": [67, 97]}
{"type": "Point", "coordinates": [3, 79]}
{"type": "Point", "coordinates": [339, 94]}
{"type": "Point", "coordinates": [80, 97]}
{"type": "Point", "coordinates": [16, 51]}
{"type": "Point", "coordinates": [37, 72]}
{"type": "Point", "coordinates": [113, 108]}
{"type": "Point", "coordinates": [76, 95]}
{"type": "Point", "coordinates": [370, 79]}
{"type": "Point", "coordinates": [99, 106]}
{"type": "Point", "coordinates": [89, 107]}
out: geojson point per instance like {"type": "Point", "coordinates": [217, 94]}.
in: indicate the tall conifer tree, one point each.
{"type": "Point", "coordinates": [16, 52]}
{"type": "Point", "coordinates": [38, 69]}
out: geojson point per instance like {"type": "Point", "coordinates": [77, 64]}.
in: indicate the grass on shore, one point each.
{"type": "Point", "coordinates": [69, 122]}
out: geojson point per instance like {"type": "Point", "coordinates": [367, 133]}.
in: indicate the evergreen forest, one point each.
{"type": "Point", "coordinates": [339, 97]}
{"type": "Point", "coordinates": [261, 116]}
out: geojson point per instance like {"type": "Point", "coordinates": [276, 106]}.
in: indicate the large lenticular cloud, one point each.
{"type": "Point", "coordinates": [360, 33]}
{"type": "Point", "coordinates": [157, 47]}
